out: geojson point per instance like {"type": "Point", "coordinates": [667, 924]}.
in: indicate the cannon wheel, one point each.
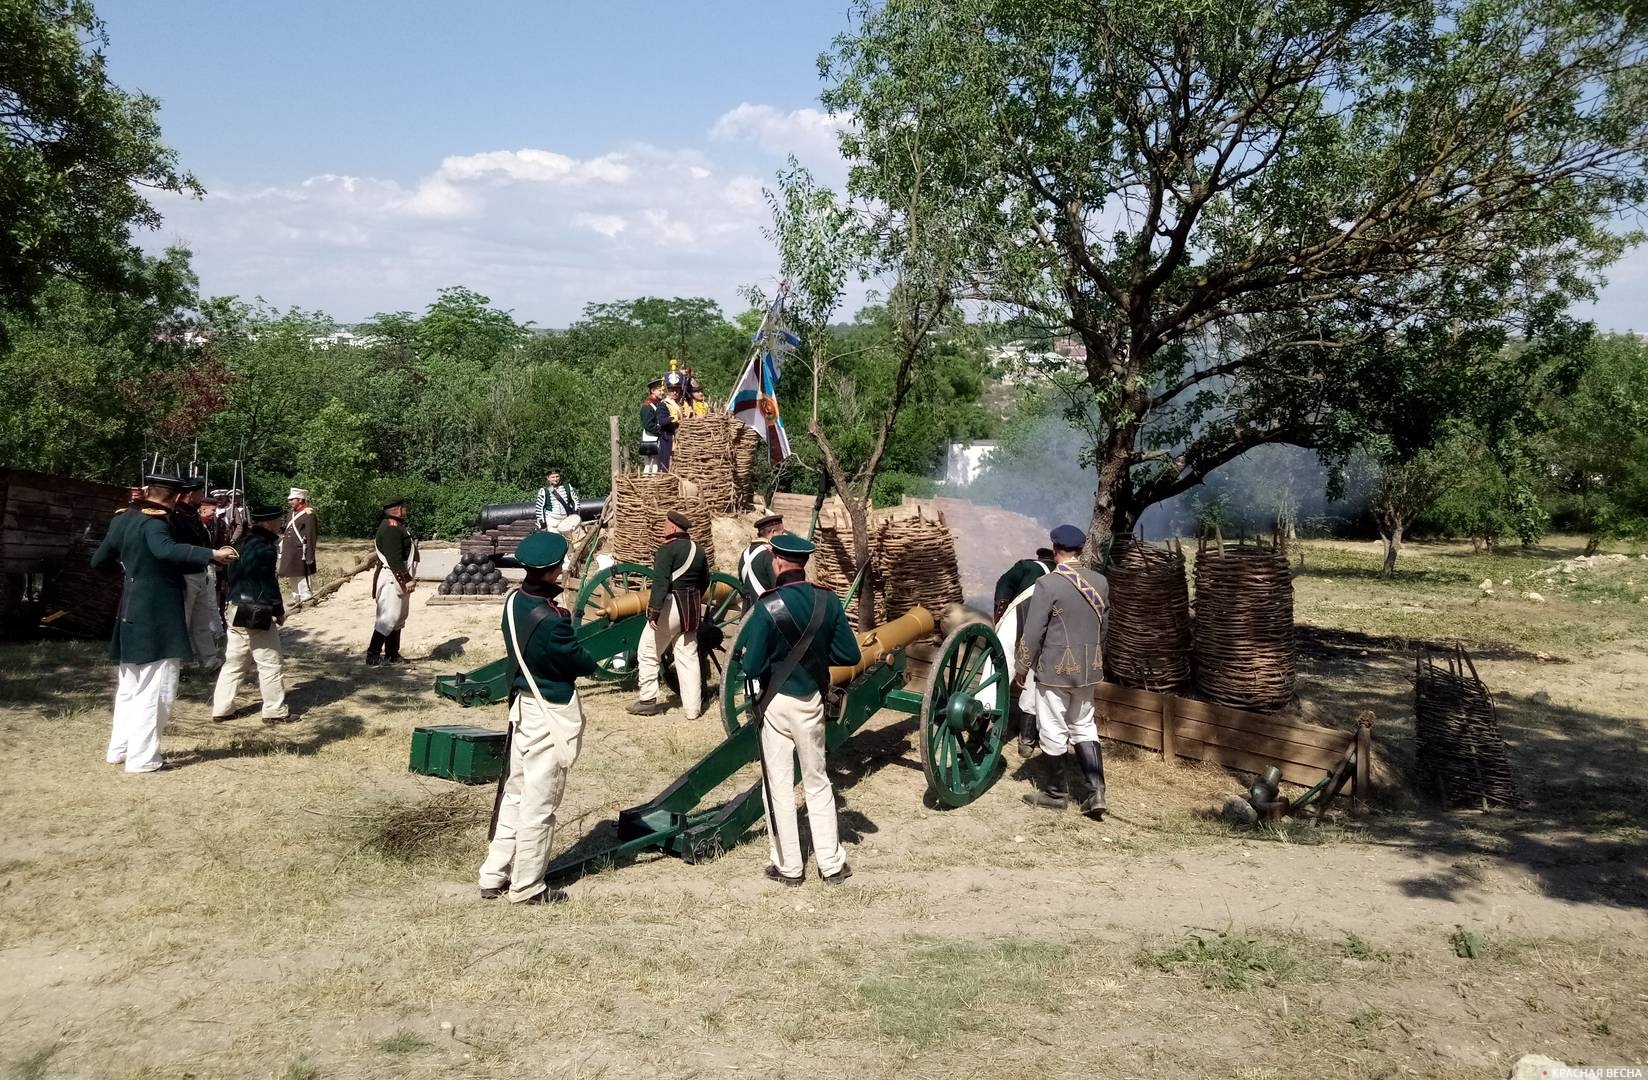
{"type": "Point", "coordinates": [964, 716]}
{"type": "Point", "coordinates": [735, 703]}
{"type": "Point", "coordinates": [604, 585]}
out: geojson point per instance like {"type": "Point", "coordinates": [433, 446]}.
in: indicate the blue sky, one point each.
{"type": "Point", "coordinates": [358, 156]}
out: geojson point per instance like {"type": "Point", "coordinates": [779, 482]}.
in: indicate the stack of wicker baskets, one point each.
{"type": "Point", "coordinates": [1245, 652]}
{"type": "Point", "coordinates": [643, 502]}
{"type": "Point", "coordinates": [915, 563]}
{"type": "Point", "coordinates": [1459, 752]}
{"type": "Point", "coordinates": [714, 452]}
{"type": "Point", "coordinates": [1149, 641]}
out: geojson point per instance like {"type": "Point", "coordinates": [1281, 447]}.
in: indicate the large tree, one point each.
{"type": "Point", "coordinates": [77, 155]}
{"type": "Point", "coordinates": [1248, 213]}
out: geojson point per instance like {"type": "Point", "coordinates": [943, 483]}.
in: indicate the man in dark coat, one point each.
{"type": "Point", "coordinates": [654, 415]}
{"type": "Point", "coordinates": [546, 722]}
{"type": "Point", "coordinates": [255, 617]}
{"type": "Point", "coordinates": [298, 544]}
{"type": "Point", "coordinates": [792, 725]}
{"type": "Point", "coordinates": [1012, 600]}
{"type": "Point", "coordinates": [680, 576]}
{"type": "Point", "coordinates": [755, 566]}
{"type": "Point", "coordinates": [151, 637]}
{"type": "Point", "coordinates": [200, 613]}
{"type": "Point", "coordinates": [393, 580]}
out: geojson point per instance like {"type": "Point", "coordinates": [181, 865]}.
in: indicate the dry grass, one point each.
{"type": "Point", "coordinates": [290, 902]}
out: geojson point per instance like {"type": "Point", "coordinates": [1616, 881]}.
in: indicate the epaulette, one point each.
{"type": "Point", "coordinates": [155, 511]}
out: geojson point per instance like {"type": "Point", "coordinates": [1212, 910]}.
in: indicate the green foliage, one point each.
{"type": "Point", "coordinates": [1233, 209]}
{"type": "Point", "coordinates": [1598, 444]}
{"type": "Point", "coordinates": [334, 466]}
{"type": "Point", "coordinates": [77, 157]}
{"type": "Point", "coordinates": [1230, 960]}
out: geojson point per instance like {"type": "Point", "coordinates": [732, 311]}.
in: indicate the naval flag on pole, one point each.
{"type": "Point", "coordinates": [755, 399]}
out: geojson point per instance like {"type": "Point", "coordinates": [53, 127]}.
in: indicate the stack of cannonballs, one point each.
{"type": "Point", "coordinates": [643, 502]}
{"type": "Point", "coordinates": [474, 575]}
{"type": "Point", "coordinates": [1245, 651]}
{"type": "Point", "coordinates": [1458, 750]}
{"type": "Point", "coordinates": [1149, 643]}
{"type": "Point", "coordinates": [707, 453]}
{"type": "Point", "coordinates": [915, 563]}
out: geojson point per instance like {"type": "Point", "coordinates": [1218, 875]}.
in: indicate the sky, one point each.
{"type": "Point", "coordinates": [359, 156]}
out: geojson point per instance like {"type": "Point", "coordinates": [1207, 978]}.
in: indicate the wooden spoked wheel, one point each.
{"type": "Point", "coordinates": [618, 581]}
{"type": "Point", "coordinates": [735, 702]}
{"type": "Point", "coordinates": [964, 716]}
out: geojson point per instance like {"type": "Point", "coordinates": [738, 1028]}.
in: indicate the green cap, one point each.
{"type": "Point", "coordinates": [541, 550]}
{"type": "Point", "coordinates": [792, 546]}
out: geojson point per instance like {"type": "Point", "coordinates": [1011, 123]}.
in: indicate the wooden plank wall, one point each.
{"type": "Point", "coordinates": [44, 515]}
{"type": "Point", "coordinates": [1248, 741]}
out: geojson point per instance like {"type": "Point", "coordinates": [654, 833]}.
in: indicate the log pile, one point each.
{"type": "Point", "coordinates": [643, 502]}
{"type": "Point", "coordinates": [1149, 646]}
{"type": "Point", "coordinates": [1459, 752]}
{"type": "Point", "coordinates": [498, 540]}
{"type": "Point", "coordinates": [715, 453]}
{"type": "Point", "coordinates": [1244, 645]}
{"type": "Point", "coordinates": [915, 563]}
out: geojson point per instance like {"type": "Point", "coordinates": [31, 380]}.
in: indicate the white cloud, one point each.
{"type": "Point", "coordinates": [809, 134]}
{"type": "Point", "coordinates": [608, 225]}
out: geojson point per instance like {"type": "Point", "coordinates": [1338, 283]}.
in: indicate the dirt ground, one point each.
{"type": "Point", "coordinates": [290, 902]}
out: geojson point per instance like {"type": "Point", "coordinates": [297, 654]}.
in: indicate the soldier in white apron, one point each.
{"type": "Point", "coordinates": [297, 546]}
{"type": "Point", "coordinates": [755, 566]}
{"type": "Point", "coordinates": [393, 580]}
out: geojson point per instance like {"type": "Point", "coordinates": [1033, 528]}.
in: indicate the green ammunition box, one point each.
{"type": "Point", "coordinates": [461, 752]}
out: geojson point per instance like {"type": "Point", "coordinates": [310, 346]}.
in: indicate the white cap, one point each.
{"type": "Point", "coordinates": [297, 493]}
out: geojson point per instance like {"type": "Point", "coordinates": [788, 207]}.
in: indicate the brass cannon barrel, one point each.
{"type": "Point", "coordinates": [634, 603]}
{"type": "Point", "coordinates": [882, 641]}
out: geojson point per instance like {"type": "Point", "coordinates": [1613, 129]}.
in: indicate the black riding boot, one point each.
{"type": "Point", "coordinates": [1027, 731]}
{"type": "Point", "coordinates": [392, 648]}
{"type": "Point", "coordinates": [1091, 759]}
{"type": "Point", "coordinates": [1048, 788]}
{"type": "Point", "coordinates": [374, 651]}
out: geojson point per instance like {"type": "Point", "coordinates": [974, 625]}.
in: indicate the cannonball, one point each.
{"type": "Point", "coordinates": [443, 588]}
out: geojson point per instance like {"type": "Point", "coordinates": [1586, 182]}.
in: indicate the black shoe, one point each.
{"type": "Point", "coordinates": [1027, 732]}
{"type": "Point", "coordinates": [1091, 760]}
{"type": "Point", "coordinates": [396, 658]}
{"type": "Point", "coordinates": [495, 893]}
{"type": "Point", "coordinates": [774, 874]}
{"type": "Point", "coordinates": [392, 648]}
{"type": "Point", "coordinates": [373, 659]}
{"type": "Point", "coordinates": [839, 876]}
{"type": "Point", "coordinates": [1048, 790]}
{"type": "Point", "coordinates": [374, 651]}
{"type": "Point", "coordinates": [548, 896]}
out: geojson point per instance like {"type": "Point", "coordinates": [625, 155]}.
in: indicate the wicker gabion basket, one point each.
{"type": "Point", "coordinates": [915, 562]}
{"type": "Point", "coordinates": [1245, 651]}
{"type": "Point", "coordinates": [1459, 752]}
{"type": "Point", "coordinates": [1149, 644]}
{"type": "Point", "coordinates": [713, 452]}
{"type": "Point", "coordinates": [832, 567]}
{"type": "Point", "coordinates": [643, 502]}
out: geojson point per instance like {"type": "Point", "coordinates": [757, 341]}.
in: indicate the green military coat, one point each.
{"type": "Point", "coordinates": [150, 625]}
{"type": "Point", "coordinates": [252, 578]}
{"type": "Point", "coordinates": [552, 653]}
{"type": "Point", "coordinates": [670, 556]}
{"type": "Point", "coordinates": [394, 544]}
{"type": "Point", "coordinates": [765, 646]}
{"type": "Point", "coordinates": [1018, 577]}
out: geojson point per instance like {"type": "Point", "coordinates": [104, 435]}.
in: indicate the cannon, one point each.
{"type": "Point", "coordinates": [963, 721]}
{"type": "Point", "coordinates": [609, 614]}
{"type": "Point", "coordinates": [497, 515]}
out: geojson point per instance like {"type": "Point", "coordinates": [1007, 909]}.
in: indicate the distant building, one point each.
{"type": "Point", "coordinates": [963, 462]}
{"type": "Point", "coordinates": [1070, 347]}
{"type": "Point", "coordinates": [347, 339]}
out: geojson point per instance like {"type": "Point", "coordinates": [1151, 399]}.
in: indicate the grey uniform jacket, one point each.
{"type": "Point", "coordinates": [1063, 637]}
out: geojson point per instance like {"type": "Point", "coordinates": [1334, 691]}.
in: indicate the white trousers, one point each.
{"type": "Point", "coordinates": [541, 754]}
{"type": "Point", "coordinates": [683, 648]}
{"type": "Point", "coordinates": [143, 700]}
{"type": "Point", "coordinates": [567, 526]}
{"type": "Point", "coordinates": [393, 603]}
{"type": "Point", "coordinates": [249, 649]}
{"type": "Point", "coordinates": [1064, 717]}
{"type": "Point", "coordinates": [794, 730]}
{"type": "Point", "coordinates": [301, 592]}
{"type": "Point", "coordinates": [200, 615]}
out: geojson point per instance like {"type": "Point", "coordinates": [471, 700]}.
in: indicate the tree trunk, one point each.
{"type": "Point", "coordinates": [859, 514]}
{"type": "Point", "coordinates": [1113, 509]}
{"type": "Point", "coordinates": [1390, 531]}
{"type": "Point", "coordinates": [1592, 545]}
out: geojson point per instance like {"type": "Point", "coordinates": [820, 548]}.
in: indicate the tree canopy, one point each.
{"type": "Point", "coordinates": [1265, 222]}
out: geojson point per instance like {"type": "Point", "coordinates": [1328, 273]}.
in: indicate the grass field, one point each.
{"type": "Point", "coordinates": [291, 903]}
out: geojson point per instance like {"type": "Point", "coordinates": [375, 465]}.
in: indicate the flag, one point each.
{"type": "Point", "coordinates": [755, 398]}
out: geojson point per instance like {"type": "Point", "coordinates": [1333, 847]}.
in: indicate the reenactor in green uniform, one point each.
{"type": "Point", "coordinates": [796, 631]}
{"type": "Point", "coordinates": [755, 567]}
{"type": "Point", "coordinates": [150, 636]}
{"type": "Point", "coordinates": [546, 725]}
{"type": "Point", "coordinates": [680, 575]}
{"type": "Point", "coordinates": [1012, 597]}
{"type": "Point", "coordinates": [255, 616]}
{"type": "Point", "coordinates": [393, 580]}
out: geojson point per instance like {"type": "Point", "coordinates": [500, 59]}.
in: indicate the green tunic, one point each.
{"type": "Point", "coordinates": [552, 652]}
{"type": "Point", "coordinates": [394, 544]}
{"type": "Point", "coordinates": [765, 646]}
{"type": "Point", "coordinates": [252, 579]}
{"type": "Point", "coordinates": [670, 557]}
{"type": "Point", "coordinates": [150, 625]}
{"type": "Point", "coordinates": [1019, 577]}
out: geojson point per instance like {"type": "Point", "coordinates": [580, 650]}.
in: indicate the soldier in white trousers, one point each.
{"type": "Point", "coordinates": [256, 613]}
{"type": "Point", "coordinates": [393, 580]}
{"type": "Point", "coordinates": [150, 637]}
{"type": "Point", "coordinates": [200, 614]}
{"type": "Point", "coordinates": [546, 726]}
{"type": "Point", "coordinates": [675, 608]}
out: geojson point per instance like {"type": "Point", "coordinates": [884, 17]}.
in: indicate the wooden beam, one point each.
{"type": "Point", "coordinates": [1364, 764]}
{"type": "Point", "coordinates": [1170, 723]}
{"type": "Point", "coordinates": [617, 446]}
